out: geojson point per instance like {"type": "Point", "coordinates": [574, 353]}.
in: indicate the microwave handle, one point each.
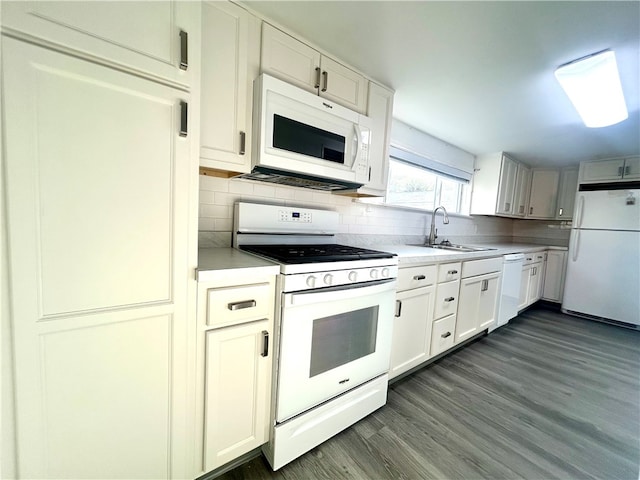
{"type": "Point", "coordinates": [356, 150]}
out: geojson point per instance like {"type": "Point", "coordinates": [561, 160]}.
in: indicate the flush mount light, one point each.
{"type": "Point", "coordinates": [592, 83]}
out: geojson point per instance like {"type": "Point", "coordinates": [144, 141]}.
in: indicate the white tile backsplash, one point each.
{"type": "Point", "coordinates": [362, 223]}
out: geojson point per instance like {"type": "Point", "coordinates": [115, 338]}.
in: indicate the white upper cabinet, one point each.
{"type": "Point", "coordinates": [295, 62]}
{"type": "Point", "coordinates": [494, 185]}
{"type": "Point", "coordinates": [567, 193]}
{"type": "Point", "coordinates": [380, 110]}
{"type": "Point", "coordinates": [544, 191]}
{"type": "Point", "coordinates": [611, 170]}
{"type": "Point", "coordinates": [160, 39]}
{"type": "Point", "coordinates": [522, 190]}
{"type": "Point", "coordinates": [230, 63]}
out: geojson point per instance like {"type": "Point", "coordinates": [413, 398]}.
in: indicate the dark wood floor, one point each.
{"type": "Point", "coordinates": [547, 396]}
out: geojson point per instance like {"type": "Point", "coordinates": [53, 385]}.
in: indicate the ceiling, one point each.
{"type": "Point", "coordinates": [479, 75]}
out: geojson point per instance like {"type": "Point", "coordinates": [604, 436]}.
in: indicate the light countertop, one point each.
{"type": "Point", "coordinates": [417, 254]}
{"type": "Point", "coordinates": [219, 263]}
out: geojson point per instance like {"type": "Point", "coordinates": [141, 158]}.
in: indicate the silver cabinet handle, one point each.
{"type": "Point", "coordinates": [620, 171]}
{"type": "Point", "coordinates": [452, 272]}
{"type": "Point", "coordinates": [317, 84]}
{"type": "Point", "coordinates": [560, 211]}
{"type": "Point", "coordinates": [507, 207]}
{"type": "Point", "coordinates": [184, 107]}
{"type": "Point", "coordinates": [627, 170]}
{"type": "Point", "coordinates": [241, 305]}
{"type": "Point", "coordinates": [449, 299]}
{"type": "Point", "coordinates": [325, 77]}
{"type": "Point", "coordinates": [419, 277]}
{"type": "Point", "coordinates": [485, 286]}
{"type": "Point", "coordinates": [265, 343]}
{"type": "Point", "coordinates": [446, 334]}
{"type": "Point", "coordinates": [398, 308]}
{"type": "Point", "coordinates": [521, 209]}
{"type": "Point", "coordinates": [242, 143]}
{"type": "Point", "coordinates": [530, 210]}
{"type": "Point", "coordinates": [184, 50]}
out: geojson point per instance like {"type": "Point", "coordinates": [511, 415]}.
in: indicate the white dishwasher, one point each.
{"type": "Point", "coordinates": [510, 288]}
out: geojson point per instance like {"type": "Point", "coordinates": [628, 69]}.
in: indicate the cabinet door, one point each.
{"type": "Point", "coordinates": [380, 109]}
{"type": "Point", "coordinates": [535, 282]}
{"type": "Point", "coordinates": [567, 193]}
{"type": "Point", "coordinates": [342, 85]}
{"type": "Point", "coordinates": [506, 192]}
{"type": "Point", "coordinates": [144, 36]}
{"type": "Point", "coordinates": [525, 280]}
{"type": "Point", "coordinates": [554, 275]}
{"type": "Point", "coordinates": [632, 168]}
{"type": "Point", "coordinates": [544, 190]}
{"type": "Point", "coordinates": [477, 305]}
{"type": "Point", "coordinates": [98, 218]}
{"type": "Point", "coordinates": [230, 62]}
{"type": "Point", "coordinates": [602, 170]}
{"type": "Point", "coordinates": [237, 391]}
{"type": "Point", "coordinates": [521, 196]}
{"type": "Point", "coordinates": [411, 329]}
{"type": "Point", "coordinates": [289, 59]}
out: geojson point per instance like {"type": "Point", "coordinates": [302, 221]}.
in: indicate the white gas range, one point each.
{"type": "Point", "coordinates": [334, 321]}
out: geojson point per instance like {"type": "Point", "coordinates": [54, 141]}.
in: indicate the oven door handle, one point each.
{"type": "Point", "coordinates": [341, 293]}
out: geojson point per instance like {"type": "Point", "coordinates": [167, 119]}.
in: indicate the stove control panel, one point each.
{"type": "Point", "coordinates": [296, 216]}
{"type": "Point", "coordinates": [308, 281]}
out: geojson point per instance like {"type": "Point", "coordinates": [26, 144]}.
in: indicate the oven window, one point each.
{"type": "Point", "coordinates": [300, 138]}
{"type": "Point", "coordinates": [343, 338]}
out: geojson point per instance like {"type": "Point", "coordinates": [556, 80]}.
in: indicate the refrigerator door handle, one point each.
{"type": "Point", "coordinates": [580, 211]}
{"type": "Point", "coordinates": [576, 245]}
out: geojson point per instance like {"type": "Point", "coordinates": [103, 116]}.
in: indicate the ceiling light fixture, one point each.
{"type": "Point", "coordinates": [592, 83]}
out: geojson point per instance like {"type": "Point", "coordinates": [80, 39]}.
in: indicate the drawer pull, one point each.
{"type": "Point", "coordinates": [449, 299]}
{"type": "Point", "coordinates": [398, 308]}
{"type": "Point", "coordinates": [241, 305]}
{"type": "Point", "coordinates": [485, 285]}
{"type": "Point", "coordinates": [265, 343]}
{"type": "Point", "coordinates": [452, 272]}
{"type": "Point", "coordinates": [184, 50]}
{"type": "Point", "coordinates": [446, 334]}
{"type": "Point", "coordinates": [419, 277]}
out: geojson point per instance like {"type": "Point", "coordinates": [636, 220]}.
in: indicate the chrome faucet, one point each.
{"type": "Point", "coordinates": [445, 220]}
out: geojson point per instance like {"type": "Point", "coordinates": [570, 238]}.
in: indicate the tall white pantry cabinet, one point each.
{"type": "Point", "coordinates": [100, 197]}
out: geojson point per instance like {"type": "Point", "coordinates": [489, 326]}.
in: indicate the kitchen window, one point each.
{"type": "Point", "coordinates": [420, 183]}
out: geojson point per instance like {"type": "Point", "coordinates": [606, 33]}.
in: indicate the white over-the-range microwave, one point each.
{"type": "Point", "coordinates": [304, 140]}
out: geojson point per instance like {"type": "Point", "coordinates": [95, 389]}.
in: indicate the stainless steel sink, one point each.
{"type": "Point", "coordinates": [457, 248]}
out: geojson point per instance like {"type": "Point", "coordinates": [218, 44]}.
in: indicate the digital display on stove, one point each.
{"type": "Point", "coordinates": [295, 214]}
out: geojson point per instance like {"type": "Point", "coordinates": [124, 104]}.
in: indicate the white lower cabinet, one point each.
{"type": "Point", "coordinates": [237, 379]}
{"type": "Point", "coordinates": [478, 302]}
{"type": "Point", "coordinates": [413, 318]}
{"type": "Point", "coordinates": [532, 279]}
{"type": "Point", "coordinates": [554, 275]}
{"type": "Point", "coordinates": [235, 355]}
{"type": "Point", "coordinates": [443, 335]}
{"type": "Point", "coordinates": [411, 329]}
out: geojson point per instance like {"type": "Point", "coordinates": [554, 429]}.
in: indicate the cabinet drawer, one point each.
{"type": "Point", "coordinates": [442, 334]}
{"type": "Point", "coordinates": [447, 272]}
{"type": "Point", "coordinates": [480, 267]}
{"type": "Point", "coordinates": [226, 306]}
{"type": "Point", "coordinates": [446, 299]}
{"type": "Point", "coordinates": [414, 277]}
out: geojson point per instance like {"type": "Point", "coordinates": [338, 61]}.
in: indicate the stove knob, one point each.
{"type": "Point", "coordinates": [353, 276]}
{"type": "Point", "coordinates": [328, 279]}
{"type": "Point", "coordinates": [374, 273]}
{"type": "Point", "coordinates": [385, 272]}
{"type": "Point", "coordinates": [311, 281]}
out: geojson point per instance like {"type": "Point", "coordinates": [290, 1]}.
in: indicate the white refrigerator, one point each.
{"type": "Point", "coordinates": [603, 268]}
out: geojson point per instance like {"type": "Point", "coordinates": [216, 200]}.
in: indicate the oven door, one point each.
{"type": "Point", "coordinates": [332, 340]}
